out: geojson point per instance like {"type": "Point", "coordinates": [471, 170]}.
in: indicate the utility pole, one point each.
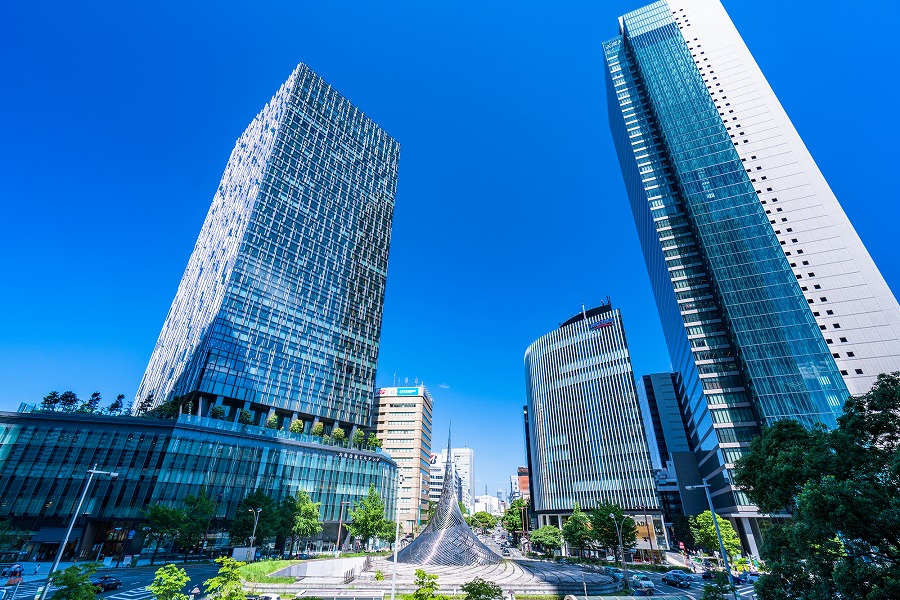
{"type": "Point", "coordinates": [722, 552]}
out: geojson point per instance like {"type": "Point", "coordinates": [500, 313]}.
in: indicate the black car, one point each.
{"type": "Point", "coordinates": [677, 578]}
{"type": "Point", "coordinates": [106, 583]}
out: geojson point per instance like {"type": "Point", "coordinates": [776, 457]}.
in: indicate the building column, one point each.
{"type": "Point", "coordinates": [747, 526]}
{"type": "Point", "coordinates": [237, 413]}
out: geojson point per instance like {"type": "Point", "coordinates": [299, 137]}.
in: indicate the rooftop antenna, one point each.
{"type": "Point", "coordinates": [583, 313]}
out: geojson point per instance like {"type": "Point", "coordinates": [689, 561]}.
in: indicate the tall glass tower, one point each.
{"type": "Point", "coordinates": [771, 306]}
{"type": "Point", "coordinates": [279, 309]}
{"type": "Point", "coordinates": [585, 436]}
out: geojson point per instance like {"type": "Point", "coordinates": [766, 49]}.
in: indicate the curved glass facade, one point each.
{"type": "Point", "coordinates": [586, 439]}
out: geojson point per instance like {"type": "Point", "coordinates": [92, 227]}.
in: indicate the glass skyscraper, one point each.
{"type": "Point", "coordinates": [279, 309]}
{"type": "Point", "coordinates": [770, 304]}
{"type": "Point", "coordinates": [585, 435]}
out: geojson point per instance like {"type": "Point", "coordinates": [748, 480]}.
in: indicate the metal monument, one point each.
{"type": "Point", "coordinates": [447, 539]}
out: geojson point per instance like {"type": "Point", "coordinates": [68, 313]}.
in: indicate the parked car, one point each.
{"type": "Point", "coordinates": [639, 581]}
{"type": "Point", "coordinates": [106, 583]}
{"type": "Point", "coordinates": [506, 552]}
{"type": "Point", "coordinates": [677, 579]}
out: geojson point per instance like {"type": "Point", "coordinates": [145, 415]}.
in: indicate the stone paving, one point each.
{"type": "Point", "coordinates": [528, 576]}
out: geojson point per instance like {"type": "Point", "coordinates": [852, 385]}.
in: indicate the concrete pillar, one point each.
{"type": "Point", "coordinates": [237, 413]}
{"type": "Point", "coordinates": [747, 526]}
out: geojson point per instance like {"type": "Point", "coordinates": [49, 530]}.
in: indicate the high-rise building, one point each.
{"type": "Point", "coordinates": [279, 310]}
{"type": "Point", "coordinates": [771, 306]}
{"type": "Point", "coordinates": [674, 463]}
{"type": "Point", "coordinates": [587, 442]}
{"type": "Point", "coordinates": [438, 468]}
{"type": "Point", "coordinates": [463, 463]}
{"type": "Point", "coordinates": [402, 422]}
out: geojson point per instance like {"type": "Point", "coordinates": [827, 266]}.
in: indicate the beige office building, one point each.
{"type": "Point", "coordinates": [403, 423]}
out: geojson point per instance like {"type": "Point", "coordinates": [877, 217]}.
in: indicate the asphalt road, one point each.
{"type": "Point", "coordinates": [134, 582]}
{"type": "Point", "coordinates": [744, 592]}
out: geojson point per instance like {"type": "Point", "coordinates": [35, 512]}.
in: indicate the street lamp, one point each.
{"type": "Point", "coordinates": [256, 512]}
{"type": "Point", "coordinates": [396, 537]}
{"type": "Point", "coordinates": [621, 547]}
{"type": "Point", "coordinates": [722, 552]}
{"type": "Point", "coordinates": [62, 547]}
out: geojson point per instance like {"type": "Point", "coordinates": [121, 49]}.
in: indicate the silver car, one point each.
{"type": "Point", "coordinates": [639, 581]}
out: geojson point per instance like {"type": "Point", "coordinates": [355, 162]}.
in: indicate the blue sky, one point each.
{"type": "Point", "coordinates": [119, 118]}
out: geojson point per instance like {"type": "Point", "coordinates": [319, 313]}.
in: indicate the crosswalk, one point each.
{"type": "Point", "coordinates": [28, 591]}
{"type": "Point", "coordinates": [135, 594]}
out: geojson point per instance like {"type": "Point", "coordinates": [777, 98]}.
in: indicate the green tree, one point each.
{"type": "Point", "coordinates": [116, 406]}
{"type": "Point", "coordinates": [704, 533]}
{"type": "Point", "coordinates": [227, 584]}
{"type": "Point", "coordinates": [145, 405]}
{"type": "Point", "coordinates": [296, 426]}
{"type": "Point", "coordinates": [241, 527]}
{"type": "Point", "coordinates": [298, 518]}
{"type": "Point", "coordinates": [718, 588]}
{"type": "Point", "coordinates": [359, 438]}
{"type": "Point", "coordinates": [388, 531]}
{"type": "Point", "coordinates": [373, 441]}
{"type": "Point", "coordinates": [10, 537]}
{"type": "Point", "coordinates": [163, 523]}
{"type": "Point", "coordinates": [68, 400]}
{"type": "Point", "coordinates": [367, 517]}
{"type": "Point", "coordinates": [462, 508]}
{"type": "Point", "coordinates": [74, 583]}
{"type": "Point", "coordinates": [484, 521]}
{"type": "Point", "coordinates": [199, 511]}
{"type": "Point", "coordinates": [167, 583]}
{"type": "Point", "coordinates": [577, 530]}
{"type": "Point", "coordinates": [272, 421]}
{"type": "Point", "coordinates": [604, 527]}
{"type": "Point", "coordinates": [681, 528]}
{"type": "Point", "coordinates": [547, 537]}
{"type": "Point", "coordinates": [50, 401]}
{"type": "Point", "coordinates": [245, 417]}
{"type": "Point", "coordinates": [513, 519]}
{"type": "Point", "coordinates": [426, 585]}
{"type": "Point", "coordinates": [338, 434]}
{"type": "Point", "coordinates": [216, 412]}
{"type": "Point", "coordinates": [479, 589]}
{"type": "Point", "coordinates": [843, 539]}
{"type": "Point", "coordinates": [91, 404]}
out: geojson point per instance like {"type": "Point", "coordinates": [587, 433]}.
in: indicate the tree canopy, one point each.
{"type": "Point", "coordinates": [241, 528]}
{"type": "Point", "coordinates": [74, 583]}
{"type": "Point", "coordinates": [704, 533]}
{"type": "Point", "coordinates": [549, 537]}
{"type": "Point", "coordinates": [367, 518]}
{"type": "Point", "coordinates": [604, 527]}
{"type": "Point", "coordinates": [843, 490]}
{"type": "Point", "coordinates": [577, 530]}
{"type": "Point", "coordinates": [167, 583]}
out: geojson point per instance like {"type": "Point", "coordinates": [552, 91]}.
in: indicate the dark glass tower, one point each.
{"type": "Point", "coordinates": [279, 309]}
{"type": "Point", "coordinates": [709, 159]}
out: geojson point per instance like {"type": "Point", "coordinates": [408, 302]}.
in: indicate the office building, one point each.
{"type": "Point", "coordinates": [45, 456]}
{"type": "Point", "coordinates": [279, 310]}
{"type": "Point", "coordinates": [674, 463]}
{"type": "Point", "coordinates": [523, 485]}
{"type": "Point", "coordinates": [586, 436]}
{"type": "Point", "coordinates": [402, 422]}
{"type": "Point", "coordinates": [770, 304]}
{"type": "Point", "coordinates": [489, 504]}
{"type": "Point", "coordinates": [438, 467]}
{"type": "Point", "coordinates": [464, 463]}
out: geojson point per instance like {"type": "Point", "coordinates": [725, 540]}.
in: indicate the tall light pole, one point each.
{"type": "Point", "coordinates": [340, 526]}
{"type": "Point", "coordinates": [722, 552]}
{"type": "Point", "coordinates": [256, 512]}
{"type": "Point", "coordinates": [62, 547]}
{"type": "Point", "coordinates": [621, 547]}
{"type": "Point", "coordinates": [396, 537]}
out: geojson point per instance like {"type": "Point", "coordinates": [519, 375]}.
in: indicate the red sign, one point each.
{"type": "Point", "coordinates": [681, 545]}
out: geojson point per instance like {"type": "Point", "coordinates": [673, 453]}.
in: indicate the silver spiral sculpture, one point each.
{"type": "Point", "coordinates": [447, 539]}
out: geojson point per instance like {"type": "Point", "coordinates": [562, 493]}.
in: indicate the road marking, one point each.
{"type": "Point", "coordinates": [136, 594]}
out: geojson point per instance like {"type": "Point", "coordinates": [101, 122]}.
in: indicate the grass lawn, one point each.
{"type": "Point", "coordinates": [258, 572]}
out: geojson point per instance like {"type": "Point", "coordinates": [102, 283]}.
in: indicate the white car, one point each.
{"type": "Point", "coordinates": [640, 581]}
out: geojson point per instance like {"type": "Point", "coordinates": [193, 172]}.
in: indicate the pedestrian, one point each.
{"type": "Point", "coordinates": [37, 568]}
